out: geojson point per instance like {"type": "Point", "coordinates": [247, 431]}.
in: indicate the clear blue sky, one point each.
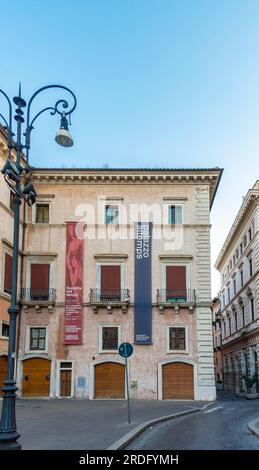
{"type": "Point", "coordinates": [158, 82]}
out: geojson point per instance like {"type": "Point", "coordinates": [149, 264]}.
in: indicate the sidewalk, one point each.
{"type": "Point", "coordinates": [253, 426]}
{"type": "Point", "coordinates": [86, 424]}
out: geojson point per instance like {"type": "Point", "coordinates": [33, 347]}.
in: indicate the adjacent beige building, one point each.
{"type": "Point", "coordinates": [238, 264]}
{"type": "Point", "coordinates": [178, 362]}
{"type": "Point", "coordinates": [6, 246]}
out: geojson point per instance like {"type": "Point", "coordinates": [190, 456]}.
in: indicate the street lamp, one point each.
{"type": "Point", "coordinates": [18, 176]}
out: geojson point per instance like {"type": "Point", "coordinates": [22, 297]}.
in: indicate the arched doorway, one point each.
{"type": "Point", "coordinates": [177, 380]}
{"type": "Point", "coordinates": [36, 377]}
{"type": "Point", "coordinates": [3, 371]}
{"type": "Point", "coordinates": [109, 380]}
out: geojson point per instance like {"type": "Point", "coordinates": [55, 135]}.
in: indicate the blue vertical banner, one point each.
{"type": "Point", "coordinates": [143, 283]}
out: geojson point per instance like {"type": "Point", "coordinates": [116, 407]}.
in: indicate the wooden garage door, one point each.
{"type": "Point", "coordinates": [109, 380]}
{"type": "Point", "coordinates": [3, 371]}
{"type": "Point", "coordinates": [36, 377]}
{"type": "Point", "coordinates": [178, 381]}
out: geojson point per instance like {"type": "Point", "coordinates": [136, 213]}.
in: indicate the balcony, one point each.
{"type": "Point", "coordinates": [176, 298]}
{"type": "Point", "coordinates": [38, 298]}
{"type": "Point", "coordinates": [109, 298]}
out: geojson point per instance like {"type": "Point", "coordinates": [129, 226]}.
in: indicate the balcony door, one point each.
{"type": "Point", "coordinates": [110, 283]}
{"type": "Point", "coordinates": [176, 283]}
{"type": "Point", "coordinates": [39, 281]}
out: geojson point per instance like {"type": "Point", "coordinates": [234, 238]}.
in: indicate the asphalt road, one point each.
{"type": "Point", "coordinates": [223, 426]}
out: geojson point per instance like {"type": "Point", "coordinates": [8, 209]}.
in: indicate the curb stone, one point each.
{"type": "Point", "coordinates": [253, 426]}
{"type": "Point", "coordinates": [131, 435]}
{"type": "Point", "coordinates": [208, 405]}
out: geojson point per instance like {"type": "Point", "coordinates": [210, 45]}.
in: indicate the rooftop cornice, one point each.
{"type": "Point", "coordinates": [130, 176]}
{"type": "Point", "coordinates": [129, 170]}
{"type": "Point", "coordinates": [251, 198]}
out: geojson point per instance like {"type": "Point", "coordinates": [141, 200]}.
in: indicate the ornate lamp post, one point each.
{"type": "Point", "coordinates": [18, 177]}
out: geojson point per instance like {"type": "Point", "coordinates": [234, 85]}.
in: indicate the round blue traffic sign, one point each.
{"type": "Point", "coordinates": [125, 349]}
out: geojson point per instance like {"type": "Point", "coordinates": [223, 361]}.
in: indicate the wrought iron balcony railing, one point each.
{"type": "Point", "coordinates": [109, 295]}
{"type": "Point", "coordinates": [34, 295]}
{"type": "Point", "coordinates": [168, 296]}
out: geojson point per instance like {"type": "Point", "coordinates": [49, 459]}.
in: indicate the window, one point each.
{"type": "Point", "coordinates": [40, 281]}
{"type": "Point", "coordinates": [250, 266]}
{"type": "Point", "coordinates": [228, 293]}
{"type": "Point", "coordinates": [224, 329]}
{"type": "Point", "coordinates": [65, 365]}
{"type": "Point", "coordinates": [229, 326]}
{"type": "Point", "coordinates": [234, 260]}
{"type": "Point", "coordinates": [111, 215]}
{"type": "Point", "coordinates": [236, 320]}
{"type": "Point", "coordinates": [42, 214]}
{"type": "Point", "coordinates": [11, 201]}
{"type": "Point", "coordinates": [241, 248]}
{"type": "Point", "coordinates": [37, 339]}
{"type": "Point", "coordinates": [176, 283]}
{"type": "Point", "coordinates": [252, 309]}
{"type": "Point", "coordinates": [110, 338]}
{"type": "Point", "coordinates": [5, 330]}
{"type": "Point", "coordinates": [230, 264]}
{"type": "Point", "coordinates": [237, 253]}
{"type": "Point", "coordinates": [241, 277]}
{"type": "Point", "coordinates": [250, 234]}
{"type": "Point", "coordinates": [243, 315]}
{"type": "Point", "coordinates": [175, 215]}
{"type": "Point", "coordinates": [245, 240]}
{"type": "Point", "coordinates": [234, 285]}
{"type": "Point", "coordinates": [216, 342]}
{"type": "Point", "coordinates": [8, 273]}
{"type": "Point", "coordinates": [110, 287]}
{"type": "Point", "coordinates": [177, 340]}
{"type": "Point", "coordinates": [223, 299]}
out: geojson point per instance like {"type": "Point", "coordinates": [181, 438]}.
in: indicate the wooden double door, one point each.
{"type": "Point", "coordinates": [109, 380]}
{"type": "Point", "coordinates": [36, 377]}
{"type": "Point", "coordinates": [65, 383]}
{"type": "Point", "coordinates": [178, 381]}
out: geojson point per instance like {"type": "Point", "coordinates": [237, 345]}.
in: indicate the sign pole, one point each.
{"type": "Point", "coordinates": [127, 382]}
{"type": "Point", "coordinates": [126, 350]}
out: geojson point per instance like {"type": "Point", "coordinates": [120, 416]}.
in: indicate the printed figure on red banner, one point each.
{"type": "Point", "coordinates": [74, 257]}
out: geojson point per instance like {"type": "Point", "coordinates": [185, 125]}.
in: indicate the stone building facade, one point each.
{"type": "Point", "coordinates": [238, 264]}
{"type": "Point", "coordinates": [173, 352]}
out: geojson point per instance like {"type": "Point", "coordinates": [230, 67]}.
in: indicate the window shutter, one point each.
{"type": "Point", "coordinates": [110, 277]}
{"type": "Point", "coordinates": [8, 273]}
{"type": "Point", "coordinates": [40, 276]}
{"type": "Point", "coordinates": [175, 277]}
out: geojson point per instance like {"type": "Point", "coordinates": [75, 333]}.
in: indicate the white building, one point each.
{"type": "Point", "coordinates": [238, 264]}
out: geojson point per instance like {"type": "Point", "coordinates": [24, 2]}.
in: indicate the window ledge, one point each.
{"type": "Point", "coordinates": [176, 351]}
{"type": "Point", "coordinates": [36, 351]}
{"type": "Point", "coordinates": [108, 351]}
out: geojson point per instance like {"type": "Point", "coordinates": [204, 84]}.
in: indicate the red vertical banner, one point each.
{"type": "Point", "coordinates": [74, 286]}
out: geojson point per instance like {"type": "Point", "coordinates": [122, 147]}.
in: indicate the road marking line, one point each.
{"type": "Point", "coordinates": [213, 409]}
